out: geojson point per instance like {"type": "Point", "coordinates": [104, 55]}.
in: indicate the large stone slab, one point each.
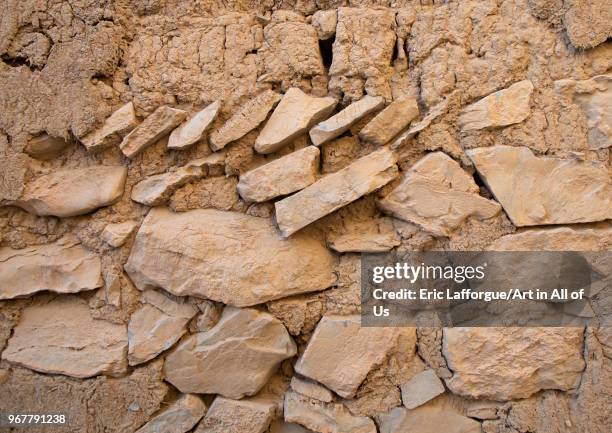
{"type": "Point", "coordinates": [512, 363]}
{"type": "Point", "coordinates": [225, 256]}
{"type": "Point", "coordinates": [282, 176]}
{"type": "Point", "coordinates": [237, 416]}
{"type": "Point", "coordinates": [541, 190]}
{"type": "Point", "coordinates": [235, 358]}
{"type": "Point", "coordinates": [421, 388]}
{"type": "Point", "coordinates": [438, 195]}
{"type": "Point", "coordinates": [390, 121]}
{"type": "Point", "coordinates": [192, 131]}
{"type": "Point", "coordinates": [179, 417]}
{"type": "Point", "coordinates": [62, 267]}
{"type": "Point", "coordinates": [72, 192]}
{"type": "Point", "coordinates": [311, 389]}
{"type": "Point", "coordinates": [295, 113]}
{"type": "Point", "coordinates": [556, 239]}
{"type": "Point", "coordinates": [336, 190]}
{"type": "Point", "coordinates": [61, 337]}
{"type": "Point", "coordinates": [112, 131]}
{"type": "Point", "coordinates": [426, 420]}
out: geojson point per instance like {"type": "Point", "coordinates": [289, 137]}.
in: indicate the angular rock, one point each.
{"type": "Point", "coordinates": [292, 117]}
{"type": "Point", "coordinates": [341, 122]}
{"type": "Point", "coordinates": [247, 118]}
{"type": "Point", "coordinates": [45, 147]}
{"type": "Point", "coordinates": [435, 112]}
{"type": "Point", "coordinates": [588, 22]}
{"type": "Point", "coordinates": [556, 239]}
{"type": "Point", "coordinates": [341, 353]}
{"type": "Point", "coordinates": [280, 426]}
{"type": "Point", "coordinates": [282, 176]}
{"type": "Point", "coordinates": [180, 417]}
{"type": "Point", "coordinates": [112, 131]}
{"type": "Point", "coordinates": [438, 195]}
{"type": "Point", "coordinates": [482, 410]}
{"type": "Point", "coordinates": [324, 22]}
{"type": "Point", "coordinates": [116, 234]}
{"type": "Point", "coordinates": [192, 131]}
{"type": "Point", "coordinates": [421, 388]}
{"type": "Point", "coordinates": [335, 191]}
{"type": "Point", "coordinates": [62, 267]}
{"type": "Point", "coordinates": [225, 256]}
{"type": "Point", "coordinates": [390, 121]}
{"type": "Point", "coordinates": [72, 192]}
{"type": "Point", "coordinates": [502, 108]}
{"type": "Point", "coordinates": [237, 416]}
{"type": "Point", "coordinates": [426, 420]}
{"type": "Point", "coordinates": [369, 237]}
{"type": "Point", "coordinates": [511, 363]}
{"type": "Point", "coordinates": [235, 358]}
{"type": "Point", "coordinates": [60, 337]}
{"type": "Point", "coordinates": [156, 326]}
{"type": "Point", "coordinates": [163, 120]}
{"type": "Point", "coordinates": [541, 190]}
{"type": "Point", "coordinates": [311, 389]}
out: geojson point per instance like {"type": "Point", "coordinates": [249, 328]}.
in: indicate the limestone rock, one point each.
{"type": "Point", "coordinates": [112, 131]}
{"type": "Point", "coordinates": [227, 257]}
{"type": "Point", "coordinates": [62, 267]}
{"type": "Point", "coordinates": [72, 192]}
{"type": "Point", "coordinates": [341, 122]}
{"type": "Point", "coordinates": [282, 176]}
{"type": "Point", "coordinates": [438, 195]}
{"type": "Point", "coordinates": [280, 426]}
{"type": "Point", "coordinates": [371, 236]}
{"type": "Point", "coordinates": [390, 121]}
{"type": "Point", "coordinates": [247, 118]}
{"type": "Point", "coordinates": [156, 326]}
{"type": "Point", "coordinates": [158, 124]}
{"type": "Point", "coordinates": [235, 358]}
{"type": "Point", "coordinates": [324, 22]}
{"type": "Point", "coordinates": [426, 420]}
{"type": "Point", "coordinates": [512, 363]}
{"type": "Point", "coordinates": [311, 389]}
{"type": "Point", "coordinates": [60, 337]}
{"type": "Point", "coordinates": [341, 353]}
{"type": "Point", "coordinates": [180, 417]}
{"type": "Point", "coordinates": [502, 108]}
{"type": "Point", "coordinates": [541, 190]}
{"type": "Point", "coordinates": [433, 114]}
{"type": "Point", "coordinates": [116, 234]}
{"type": "Point", "coordinates": [482, 410]}
{"type": "Point", "coordinates": [335, 191]}
{"type": "Point", "coordinates": [556, 239]}
{"type": "Point", "coordinates": [295, 113]}
{"type": "Point", "coordinates": [193, 129]}
{"type": "Point", "coordinates": [237, 416]}
{"type": "Point", "coordinates": [45, 147]}
{"type": "Point", "coordinates": [421, 388]}
{"type": "Point", "coordinates": [588, 22]}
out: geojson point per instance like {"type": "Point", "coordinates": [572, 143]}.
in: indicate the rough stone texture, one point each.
{"type": "Point", "coordinates": [117, 234]}
{"type": "Point", "coordinates": [45, 147]}
{"type": "Point", "coordinates": [237, 416]}
{"type": "Point", "coordinates": [213, 362]}
{"type": "Point", "coordinates": [421, 388]}
{"type": "Point", "coordinates": [541, 190]}
{"type": "Point", "coordinates": [61, 337]}
{"type": "Point", "coordinates": [438, 195]}
{"type": "Point", "coordinates": [192, 131]}
{"type": "Point", "coordinates": [587, 22]}
{"type": "Point", "coordinates": [369, 237]}
{"type": "Point", "coordinates": [311, 389]}
{"type": "Point", "coordinates": [427, 420]}
{"type": "Point", "coordinates": [598, 238]}
{"type": "Point", "coordinates": [280, 177]}
{"type": "Point", "coordinates": [62, 267]}
{"type": "Point", "coordinates": [180, 417]}
{"type": "Point", "coordinates": [434, 113]}
{"type": "Point", "coordinates": [335, 191]}
{"type": "Point", "coordinates": [390, 121]}
{"type": "Point", "coordinates": [324, 22]}
{"type": "Point", "coordinates": [112, 131]}
{"type": "Point", "coordinates": [210, 261]}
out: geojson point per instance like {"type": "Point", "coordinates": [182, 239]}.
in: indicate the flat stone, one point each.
{"type": "Point", "coordinates": [372, 236]}
{"type": "Point", "coordinates": [61, 337]}
{"type": "Point", "coordinates": [237, 416]}
{"type": "Point", "coordinates": [293, 116]}
{"type": "Point", "coordinates": [117, 234]}
{"type": "Point", "coordinates": [45, 147]}
{"type": "Point", "coordinates": [179, 417]}
{"type": "Point", "coordinates": [192, 131]}
{"type": "Point", "coordinates": [341, 353]}
{"type": "Point", "coordinates": [156, 326]}
{"type": "Point", "coordinates": [324, 22]}
{"type": "Point", "coordinates": [62, 267]}
{"type": "Point", "coordinates": [282, 176]}
{"type": "Point", "coordinates": [537, 190]}
{"type": "Point", "coordinates": [336, 190]}
{"type": "Point", "coordinates": [225, 256]}
{"type": "Point", "coordinates": [235, 358]}
{"type": "Point", "coordinates": [556, 239]}
{"type": "Point", "coordinates": [112, 131]}
{"type": "Point", "coordinates": [438, 195]}
{"type": "Point", "coordinates": [163, 120]}
{"type": "Point", "coordinates": [588, 22]}
{"type": "Point", "coordinates": [482, 410]}
{"type": "Point", "coordinates": [280, 426]}
{"type": "Point", "coordinates": [72, 192]}
{"type": "Point", "coordinates": [248, 117]}
{"type": "Point", "coordinates": [502, 108]}
{"type": "Point", "coordinates": [433, 114]}
{"type": "Point", "coordinates": [341, 122]}
{"type": "Point", "coordinates": [421, 388]}
{"type": "Point", "coordinates": [311, 389]}
{"type": "Point", "coordinates": [390, 121]}
{"type": "Point", "coordinates": [426, 420]}
{"type": "Point", "coordinates": [511, 363]}
{"type": "Point", "coordinates": [324, 417]}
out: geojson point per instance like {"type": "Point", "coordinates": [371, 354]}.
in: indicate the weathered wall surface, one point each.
{"type": "Point", "coordinates": [202, 283]}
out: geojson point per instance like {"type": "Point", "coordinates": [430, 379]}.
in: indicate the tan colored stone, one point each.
{"type": "Point", "coordinates": [117, 234]}
{"type": "Point", "coordinates": [311, 389]}
{"type": "Point", "coordinates": [482, 410]}
{"type": "Point", "coordinates": [192, 131]}
{"type": "Point", "coordinates": [237, 416]}
{"type": "Point", "coordinates": [390, 121]}
{"type": "Point", "coordinates": [248, 117]}
{"type": "Point", "coordinates": [112, 131]}
{"type": "Point", "coordinates": [341, 122]}
{"type": "Point", "coordinates": [335, 191]}
{"type": "Point", "coordinates": [157, 125]}
{"type": "Point", "coordinates": [295, 113]}
{"type": "Point", "coordinates": [438, 195]}
{"type": "Point", "coordinates": [542, 190]}
{"type": "Point", "coordinates": [235, 358]}
{"type": "Point", "coordinates": [179, 417]}
{"type": "Point", "coordinates": [324, 22]}
{"type": "Point", "coordinates": [62, 267]}
{"type": "Point", "coordinates": [45, 147]}
{"type": "Point", "coordinates": [433, 114]}
{"type": "Point", "coordinates": [426, 420]}
{"type": "Point", "coordinates": [588, 22]}
{"type": "Point", "coordinates": [280, 426]}
{"type": "Point", "coordinates": [60, 337]}
{"type": "Point", "coordinates": [598, 238]}
{"type": "Point", "coordinates": [371, 236]}
{"type": "Point", "coordinates": [282, 176]}
{"type": "Point", "coordinates": [424, 386]}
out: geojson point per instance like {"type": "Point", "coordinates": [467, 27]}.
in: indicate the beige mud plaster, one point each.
{"type": "Point", "coordinates": [192, 131]}
{"type": "Point", "coordinates": [112, 131]}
